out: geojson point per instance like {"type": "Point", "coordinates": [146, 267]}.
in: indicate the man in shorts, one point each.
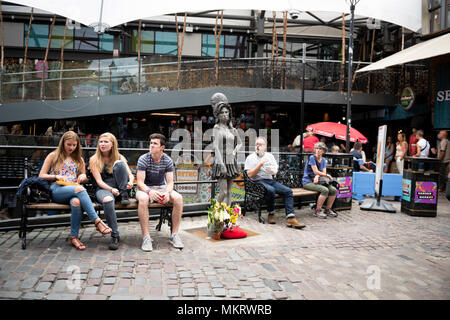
{"type": "Point", "coordinates": [154, 175]}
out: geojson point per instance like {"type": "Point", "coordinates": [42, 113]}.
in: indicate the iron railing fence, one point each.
{"type": "Point", "coordinates": [126, 75]}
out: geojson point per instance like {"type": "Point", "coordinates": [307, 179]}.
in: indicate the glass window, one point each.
{"type": "Point", "coordinates": [38, 35]}
{"type": "Point", "coordinates": [234, 46]}
{"type": "Point", "coordinates": [209, 45]}
{"type": "Point", "coordinates": [147, 41]}
{"type": "Point", "coordinates": [106, 42]}
{"type": "Point", "coordinates": [86, 39]}
{"type": "Point", "coordinates": [166, 42]}
{"type": "Point", "coordinates": [58, 36]}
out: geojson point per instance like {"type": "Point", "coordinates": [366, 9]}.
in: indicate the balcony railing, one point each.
{"type": "Point", "coordinates": [125, 76]}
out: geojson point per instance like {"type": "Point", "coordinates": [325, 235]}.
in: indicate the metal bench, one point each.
{"type": "Point", "coordinates": [255, 192]}
{"type": "Point", "coordinates": [26, 207]}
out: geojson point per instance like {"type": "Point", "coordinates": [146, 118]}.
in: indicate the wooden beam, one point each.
{"type": "Point", "coordinates": [139, 55]}
{"type": "Point", "coordinates": [62, 60]}
{"type": "Point", "coordinates": [180, 47]}
{"type": "Point", "coordinates": [25, 54]}
{"type": "Point", "coordinates": [217, 39]}
{"type": "Point", "coordinates": [274, 40]}
{"type": "Point", "coordinates": [46, 54]}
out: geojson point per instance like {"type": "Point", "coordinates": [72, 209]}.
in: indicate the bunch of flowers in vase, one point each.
{"type": "Point", "coordinates": [234, 212]}
{"type": "Point", "coordinates": [218, 216]}
{"type": "Point", "coordinates": [222, 217]}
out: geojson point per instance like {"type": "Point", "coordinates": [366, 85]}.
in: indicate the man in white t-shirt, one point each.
{"type": "Point", "coordinates": [423, 146]}
{"type": "Point", "coordinates": [261, 166]}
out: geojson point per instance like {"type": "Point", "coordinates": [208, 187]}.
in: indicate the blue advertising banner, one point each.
{"type": "Point", "coordinates": [442, 98]}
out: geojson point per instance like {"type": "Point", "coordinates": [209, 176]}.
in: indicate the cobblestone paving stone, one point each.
{"type": "Point", "coordinates": [358, 255]}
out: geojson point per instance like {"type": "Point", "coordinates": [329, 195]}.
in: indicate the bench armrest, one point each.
{"type": "Point", "coordinates": [253, 189]}
{"type": "Point", "coordinates": [290, 178]}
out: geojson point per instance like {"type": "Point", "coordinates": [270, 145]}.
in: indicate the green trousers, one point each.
{"type": "Point", "coordinates": [326, 191]}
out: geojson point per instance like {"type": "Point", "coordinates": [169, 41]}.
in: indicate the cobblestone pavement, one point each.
{"type": "Point", "coordinates": [358, 255]}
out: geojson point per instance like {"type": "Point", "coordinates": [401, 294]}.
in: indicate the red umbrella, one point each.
{"type": "Point", "coordinates": [339, 130]}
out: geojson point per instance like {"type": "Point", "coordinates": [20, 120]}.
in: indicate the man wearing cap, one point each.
{"type": "Point", "coordinates": [262, 166]}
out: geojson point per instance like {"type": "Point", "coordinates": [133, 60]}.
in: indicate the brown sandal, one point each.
{"type": "Point", "coordinates": [77, 243]}
{"type": "Point", "coordinates": [104, 228]}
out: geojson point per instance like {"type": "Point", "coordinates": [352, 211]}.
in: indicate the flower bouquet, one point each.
{"type": "Point", "coordinates": [222, 217]}
{"type": "Point", "coordinates": [234, 212]}
{"type": "Point", "coordinates": [217, 217]}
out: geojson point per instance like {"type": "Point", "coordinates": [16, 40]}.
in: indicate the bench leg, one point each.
{"type": "Point", "coordinates": [24, 243]}
{"type": "Point", "coordinates": [165, 214]}
{"type": "Point", "coordinates": [169, 219]}
{"type": "Point", "coordinates": [260, 218]}
{"type": "Point", "coordinates": [23, 226]}
{"type": "Point", "coordinates": [158, 226]}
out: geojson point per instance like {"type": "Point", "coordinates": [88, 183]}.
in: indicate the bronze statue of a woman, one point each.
{"type": "Point", "coordinates": [226, 145]}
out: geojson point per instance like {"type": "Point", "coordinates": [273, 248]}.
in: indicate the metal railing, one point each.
{"type": "Point", "coordinates": [121, 76]}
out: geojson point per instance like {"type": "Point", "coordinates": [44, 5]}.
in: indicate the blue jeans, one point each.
{"type": "Point", "coordinates": [273, 187]}
{"type": "Point", "coordinates": [64, 195]}
{"type": "Point", "coordinates": [119, 180]}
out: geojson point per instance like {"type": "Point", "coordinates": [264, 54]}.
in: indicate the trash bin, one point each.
{"type": "Point", "coordinates": [420, 186]}
{"type": "Point", "coordinates": [340, 167]}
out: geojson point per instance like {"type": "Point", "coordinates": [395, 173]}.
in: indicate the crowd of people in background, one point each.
{"type": "Point", "coordinates": [415, 145]}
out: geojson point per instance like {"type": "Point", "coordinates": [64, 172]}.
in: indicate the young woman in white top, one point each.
{"type": "Point", "coordinates": [401, 151]}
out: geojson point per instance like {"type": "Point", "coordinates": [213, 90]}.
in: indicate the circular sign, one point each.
{"type": "Point", "coordinates": [407, 98]}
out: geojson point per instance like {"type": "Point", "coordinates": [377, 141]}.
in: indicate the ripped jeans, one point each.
{"type": "Point", "coordinates": [65, 195]}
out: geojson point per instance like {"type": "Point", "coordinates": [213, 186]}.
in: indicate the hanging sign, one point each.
{"type": "Point", "coordinates": [407, 98]}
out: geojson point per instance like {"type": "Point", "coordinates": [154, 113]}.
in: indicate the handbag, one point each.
{"type": "Point", "coordinates": [324, 181]}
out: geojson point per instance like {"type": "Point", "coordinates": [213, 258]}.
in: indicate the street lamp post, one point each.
{"type": "Point", "coordinates": [349, 74]}
{"type": "Point", "coordinates": [302, 109]}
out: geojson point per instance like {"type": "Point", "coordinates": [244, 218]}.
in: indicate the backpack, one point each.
{"type": "Point", "coordinates": [39, 190]}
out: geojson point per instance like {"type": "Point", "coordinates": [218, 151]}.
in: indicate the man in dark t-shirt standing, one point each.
{"type": "Point", "coordinates": [155, 184]}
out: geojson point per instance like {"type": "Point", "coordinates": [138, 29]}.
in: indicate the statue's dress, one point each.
{"type": "Point", "coordinates": [226, 142]}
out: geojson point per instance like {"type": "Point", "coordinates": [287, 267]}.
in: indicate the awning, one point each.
{"type": "Point", "coordinates": [424, 50]}
{"type": "Point", "coordinates": [109, 13]}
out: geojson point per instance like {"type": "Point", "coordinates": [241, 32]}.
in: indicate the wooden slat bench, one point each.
{"type": "Point", "coordinates": [165, 213]}
{"type": "Point", "coordinates": [255, 192]}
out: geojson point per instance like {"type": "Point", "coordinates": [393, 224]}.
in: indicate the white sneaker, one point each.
{"type": "Point", "coordinates": [147, 244]}
{"type": "Point", "coordinates": [176, 241]}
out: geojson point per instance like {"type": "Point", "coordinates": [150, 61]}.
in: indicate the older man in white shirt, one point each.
{"type": "Point", "coordinates": [261, 166]}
